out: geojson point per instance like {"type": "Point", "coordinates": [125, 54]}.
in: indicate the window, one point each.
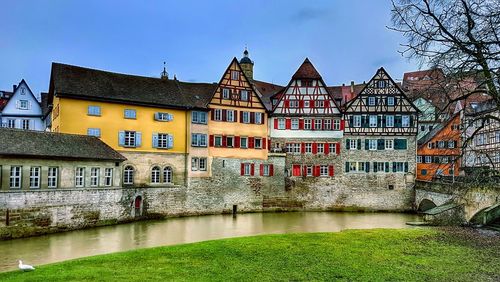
{"type": "Point", "coordinates": [94, 176]}
{"type": "Point", "coordinates": [94, 132]}
{"type": "Point", "coordinates": [199, 117]}
{"type": "Point", "coordinates": [323, 170]}
{"type": "Point", "coordinates": [218, 114]}
{"type": "Point", "coordinates": [371, 101]}
{"type": "Point", "coordinates": [94, 110]}
{"type": "Point", "coordinates": [167, 175]}
{"type": "Point", "coordinates": [378, 166]}
{"type": "Point", "coordinates": [243, 142]}
{"type": "Point", "coordinates": [440, 144]}
{"type": "Point", "coordinates": [230, 141]}
{"type": "Point", "coordinates": [35, 177]}
{"type": "Point", "coordinates": [389, 121]}
{"type": "Point", "coordinates": [198, 164]}
{"type": "Point", "coordinates": [353, 144]}
{"type": "Point", "coordinates": [306, 104]}
{"type": "Point", "coordinates": [247, 169]}
{"type": "Point", "coordinates": [428, 159]}
{"type": "Point", "coordinates": [295, 123]}
{"type": "Point", "coordinates": [108, 176]}
{"type": "Point", "coordinates": [423, 171]}
{"type": "Point", "coordinates": [11, 123]}
{"type": "Point", "coordinates": [246, 117]}
{"type": "Point", "coordinates": [390, 101]}
{"type": "Point", "coordinates": [163, 116]}
{"type": "Point", "coordinates": [405, 121]}
{"type": "Point", "coordinates": [307, 124]}
{"type": "Point", "coordinates": [257, 143]}
{"type": "Point", "coordinates": [318, 124]}
{"type": "Point", "coordinates": [129, 139]}
{"type": "Point", "coordinates": [372, 144]}
{"type": "Point", "coordinates": [198, 140]}
{"type": "Point", "coordinates": [155, 175]}
{"type": "Point", "coordinates": [294, 103]}
{"type": "Point", "coordinates": [373, 121]}
{"type": "Point", "coordinates": [419, 159]}
{"type": "Point", "coordinates": [15, 177]}
{"type": "Point", "coordinates": [165, 141]}
{"type": "Point", "coordinates": [381, 84]}
{"type": "Point", "coordinates": [235, 75]}
{"type": "Point", "coordinates": [230, 115]}
{"type": "Point", "coordinates": [23, 104]}
{"type": "Point", "coordinates": [308, 148]}
{"type": "Point", "coordinates": [398, 167]}
{"type": "Point", "coordinates": [226, 93]}
{"type": "Point", "coordinates": [332, 148]}
{"type": "Point", "coordinates": [52, 176]}
{"type": "Point", "coordinates": [258, 118]}
{"type": "Point", "coordinates": [319, 104]}
{"type": "Point", "coordinates": [128, 175]}
{"type": "Point", "coordinates": [293, 148]}
{"type": "Point", "coordinates": [389, 144]}
{"type": "Point", "coordinates": [281, 123]}
{"type": "Point", "coordinates": [266, 168]}
{"type": "Point", "coordinates": [25, 124]}
{"type": "Point", "coordinates": [320, 148]}
{"type": "Point", "coordinates": [80, 177]}
{"type": "Point", "coordinates": [244, 95]}
{"type": "Point", "coordinates": [218, 141]}
{"type": "Point", "coordinates": [309, 170]}
{"type": "Point", "coordinates": [357, 121]}
{"type": "Point", "coordinates": [129, 113]}
{"type": "Point", "coordinates": [336, 124]}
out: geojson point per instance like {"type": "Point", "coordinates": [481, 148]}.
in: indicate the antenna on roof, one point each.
{"type": "Point", "coordinates": [164, 73]}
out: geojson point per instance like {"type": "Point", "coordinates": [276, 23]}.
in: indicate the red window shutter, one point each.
{"type": "Point", "coordinates": [296, 170]}
{"type": "Point", "coordinates": [241, 116]}
{"type": "Point", "coordinates": [242, 170]}
{"type": "Point", "coordinates": [304, 170]}
{"type": "Point", "coordinates": [224, 141]}
{"type": "Point", "coordinates": [275, 123]}
{"type": "Point", "coordinates": [327, 104]}
{"type": "Point", "coordinates": [224, 115]}
{"type": "Point", "coordinates": [326, 148]}
{"type": "Point", "coordinates": [337, 148]}
{"type": "Point", "coordinates": [316, 170]}
{"type": "Point", "coordinates": [330, 170]}
{"type": "Point", "coordinates": [261, 170]}
{"type": "Point", "coordinates": [252, 117]}
{"type": "Point", "coordinates": [235, 115]}
{"type": "Point", "coordinates": [342, 124]}
{"type": "Point", "coordinates": [301, 124]}
{"type": "Point", "coordinates": [271, 170]}
{"type": "Point", "coordinates": [288, 123]}
{"type": "Point", "coordinates": [312, 124]}
{"type": "Point", "coordinates": [302, 148]}
{"type": "Point", "coordinates": [315, 148]}
{"type": "Point", "coordinates": [301, 104]}
{"type": "Point", "coordinates": [311, 104]}
{"type": "Point", "coordinates": [286, 104]}
{"type": "Point", "coordinates": [252, 169]}
{"type": "Point", "coordinates": [237, 142]}
{"type": "Point", "coordinates": [264, 141]}
{"type": "Point", "coordinates": [250, 142]}
{"type": "Point", "coordinates": [212, 113]}
{"type": "Point", "coordinates": [211, 140]}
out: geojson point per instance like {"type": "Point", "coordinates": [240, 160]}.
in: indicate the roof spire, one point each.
{"type": "Point", "coordinates": [164, 73]}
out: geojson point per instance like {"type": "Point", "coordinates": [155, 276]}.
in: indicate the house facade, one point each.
{"type": "Point", "coordinates": [21, 109]}
{"type": "Point", "coordinates": [380, 137]}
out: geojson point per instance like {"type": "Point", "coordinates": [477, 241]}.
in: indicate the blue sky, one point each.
{"type": "Point", "coordinates": [345, 40]}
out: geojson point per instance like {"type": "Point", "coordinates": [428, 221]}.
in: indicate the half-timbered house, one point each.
{"type": "Point", "coordinates": [307, 123]}
{"type": "Point", "coordinates": [380, 136]}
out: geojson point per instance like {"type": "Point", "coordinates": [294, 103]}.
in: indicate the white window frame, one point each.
{"type": "Point", "coordinates": [168, 175]}
{"type": "Point", "coordinates": [405, 121]}
{"type": "Point", "coordinates": [202, 166]}
{"type": "Point", "coordinates": [327, 125]}
{"type": "Point", "coordinates": [230, 115]}
{"type": "Point", "coordinates": [246, 117]}
{"type": "Point", "coordinates": [80, 177]}
{"type": "Point", "coordinates": [226, 93]}
{"type": "Point", "coordinates": [229, 141]}
{"type": "Point", "coordinates": [318, 124]}
{"type": "Point", "coordinates": [257, 143]}
{"type": "Point", "coordinates": [389, 144]}
{"type": "Point", "coordinates": [23, 104]}
{"type": "Point", "coordinates": [295, 124]}
{"type": "Point", "coordinates": [281, 123]}
{"type": "Point", "coordinates": [218, 114]}
{"type": "Point", "coordinates": [319, 104]}
{"type": "Point", "coordinates": [389, 121]}
{"type": "Point", "coordinates": [217, 141]}
{"type": "Point", "coordinates": [94, 132]}
{"type": "Point", "coordinates": [130, 114]}
{"type": "Point", "coordinates": [235, 75]}
{"type": "Point", "coordinates": [356, 120]}
{"type": "Point", "coordinates": [372, 144]}
{"type": "Point", "coordinates": [373, 121]}
{"type": "Point", "coordinates": [199, 117]}
{"type": "Point", "coordinates": [35, 177]}
{"type": "Point", "coordinates": [155, 175]}
{"type": "Point", "coordinates": [451, 144]}
{"type": "Point", "coordinates": [309, 170]}
{"type": "Point", "coordinates": [320, 148]}
{"type": "Point", "coordinates": [163, 140]}
{"type": "Point", "coordinates": [108, 176]}
{"type": "Point", "coordinates": [247, 169]}
{"type": "Point", "coordinates": [390, 101]}
{"type": "Point", "coordinates": [308, 148]}
{"type": "Point", "coordinates": [129, 138]}
{"type": "Point", "coordinates": [307, 124]}
{"type": "Point", "coordinates": [266, 169]}
{"type": "Point", "coordinates": [244, 142]}
{"type": "Point", "coordinates": [353, 144]}
{"type": "Point", "coordinates": [25, 124]}
{"type": "Point", "coordinates": [16, 176]}
{"type": "Point", "coordinates": [323, 170]}
{"type": "Point", "coordinates": [11, 123]}
{"type": "Point", "coordinates": [93, 110]}
{"type": "Point", "coordinates": [258, 118]}
{"type": "Point", "coordinates": [52, 177]}
{"type": "Point", "coordinates": [371, 101]}
{"type": "Point", "coordinates": [336, 124]}
{"type": "Point", "coordinates": [128, 175]}
{"type": "Point", "coordinates": [428, 159]}
{"type": "Point", "coordinates": [244, 95]}
{"type": "Point", "coordinates": [94, 176]}
{"type": "Point", "coordinates": [332, 148]}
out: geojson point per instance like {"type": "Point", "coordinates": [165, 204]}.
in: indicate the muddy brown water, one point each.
{"type": "Point", "coordinates": [101, 240]}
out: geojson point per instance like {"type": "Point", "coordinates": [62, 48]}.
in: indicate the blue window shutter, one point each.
{"type": "Point", "coordinates": [367, 144]}
{"type": "Point", "coordinates": [138, 139]}
{"type": "Point", "coordinates": [157, 116]}
{"type": "Point", "coordinates": [155, 140]}
{"type": "Point", "coordinates": [170, 141]}
{"type": "Point", "coordinates": [170, 117]}
{"type": "Point", "coordinates": [121, 138]}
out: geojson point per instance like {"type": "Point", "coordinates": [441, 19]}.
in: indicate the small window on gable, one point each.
{"type": "Point", "coordinates": [235, 75]}
{"type": "Point", "coordinates": [390, 101]}
{"type": "Point", "coordinates": [226, 93]}
{"type": "Point", "coordinates": [244, 95]}
{"type": "Point", "coordinates": [23, 104]}
{"type": "Point", "coordinates": [381, 84]}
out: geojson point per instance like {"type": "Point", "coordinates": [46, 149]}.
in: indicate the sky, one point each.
{"type": "Point", "coordinates": [345, 39]}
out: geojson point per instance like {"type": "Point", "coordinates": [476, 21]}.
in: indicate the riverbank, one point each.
{"type": "Point", "coordinates": [379, 254]}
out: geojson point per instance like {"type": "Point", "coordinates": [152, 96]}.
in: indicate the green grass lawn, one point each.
{"type": "Point", "coordinates": [353, 255]}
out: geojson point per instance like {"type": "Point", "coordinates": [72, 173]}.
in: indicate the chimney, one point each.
{"type": "Point", "coordinates": [352, 86]}
{"type": "Point", "coordinates": [14, 87]}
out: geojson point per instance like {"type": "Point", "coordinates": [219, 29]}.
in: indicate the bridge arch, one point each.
{"type": "Point", "coordinates": [426, 205]}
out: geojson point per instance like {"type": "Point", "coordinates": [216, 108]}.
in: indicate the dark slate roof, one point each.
{"type": "Point", "coordinates": [44, 103]}
{"type": "Point", "coordinates": [48, 145]}
{"type": "Point", "coordinates": [4, 99]}
{"type": "Point", "coordinates": [84, 83]}
{"type": "Point", "coordinates": [306, 70]}
{"type": "Point", "coordinates": [198, 95]}
{"type": "Point", "coordinates": [267, 90]}
{"type": "Point", "coordinates": [428, 137]}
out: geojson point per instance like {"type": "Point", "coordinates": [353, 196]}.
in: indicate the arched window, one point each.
{"type": "Point", "coordinates": [167, 175]}
{"type": "Point", "coordinates": [128, 175]}
{"type": "Point", "coordinates": [155, 175]}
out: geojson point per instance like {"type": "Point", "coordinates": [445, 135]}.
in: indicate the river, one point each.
{"type": "Point", "coordinates": [101, 240]}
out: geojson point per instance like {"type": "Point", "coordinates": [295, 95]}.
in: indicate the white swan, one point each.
{"type": "Point", "coordinates": [25, 267]}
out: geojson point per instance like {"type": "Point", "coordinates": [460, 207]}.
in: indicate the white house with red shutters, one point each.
{"type": "Point", "coordinates": [307, 124]}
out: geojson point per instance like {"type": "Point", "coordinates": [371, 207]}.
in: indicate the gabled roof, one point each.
{"type": "Point", "coordinates": [306, 70]}
{"type": "Point", "coordinates": [44, 104]}
{"type": "Point", "coordinates": [267, 90]}
{"type": "Point", "coordinates": [4, 98]}
{"type": "Point", "coordinates": [428, 137]}
{"type": "Point", "coordinates": [91, 84]}
{"type": "Point", "coordinates": [49, 145]}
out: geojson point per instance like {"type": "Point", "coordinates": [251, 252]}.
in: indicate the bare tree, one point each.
{"type": "Point", "coordinates": [462, 38]}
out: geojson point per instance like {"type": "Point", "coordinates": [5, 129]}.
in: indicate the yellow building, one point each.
{"type": "Point", "coordinates": [146, 119]}
{"type": "Point", "coordinates": [238, 118]}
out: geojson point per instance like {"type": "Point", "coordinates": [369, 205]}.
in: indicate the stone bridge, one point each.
{"type": "Point", "coordinates": [464, 202]}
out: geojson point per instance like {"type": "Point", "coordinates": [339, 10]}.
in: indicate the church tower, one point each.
{"type": "Point", "coordinates": [247, 65]}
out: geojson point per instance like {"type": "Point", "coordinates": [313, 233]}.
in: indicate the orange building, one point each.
{"type": "Point", "coordinates": [439, 151]}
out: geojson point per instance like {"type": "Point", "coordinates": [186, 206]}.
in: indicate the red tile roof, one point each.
{"type": "Point", "coordinates": [306, 70]}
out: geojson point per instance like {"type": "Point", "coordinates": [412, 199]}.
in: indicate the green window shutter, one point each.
{"type": "Point", "coordinates": [367, 144]}
{"type": "Point", "coordinates": [359, 144]}
{"type": "Point", "coordinates": [411, 120]}
{"type": "Point", "coordinates": [351, 120]}
{"type": "Point", "coordinates": [396, 144]}
{"type": "Point", "coordinates": [367, 167]}
{"type": "Point", "coordinates": [380, 144]}
{"type": "Point", "coordinates": [380, 120]}
{"type": "Point", "coordinates": [364, 121]}
{"type": "Point", "coordinates": [393, 167]}
{"type": "Point", "coordinates": [404, 144]}
{"type": "Point", "coordinates": [387, 167]}
{"type": "Point", "coordinates": [397, 121]}
{"type": "Point", "coordinates": [347, 144]}
{"type": "Point", "coordinates": [400, 144]}
{"type": "Point", "coordinates": [406, 166]}
{"type": "Point", "coordinates": [375, 167]}
{"type": "Point", "coordinates": [346, 166]}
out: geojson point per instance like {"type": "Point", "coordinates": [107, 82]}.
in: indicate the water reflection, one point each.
{"type": "Point", "coordinates": [75, 244]}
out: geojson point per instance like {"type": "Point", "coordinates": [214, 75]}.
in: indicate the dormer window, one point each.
{"type": "Point", "coordinates": [235, 75]}
{"type": "Point", "coordinates": [381, 84]}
